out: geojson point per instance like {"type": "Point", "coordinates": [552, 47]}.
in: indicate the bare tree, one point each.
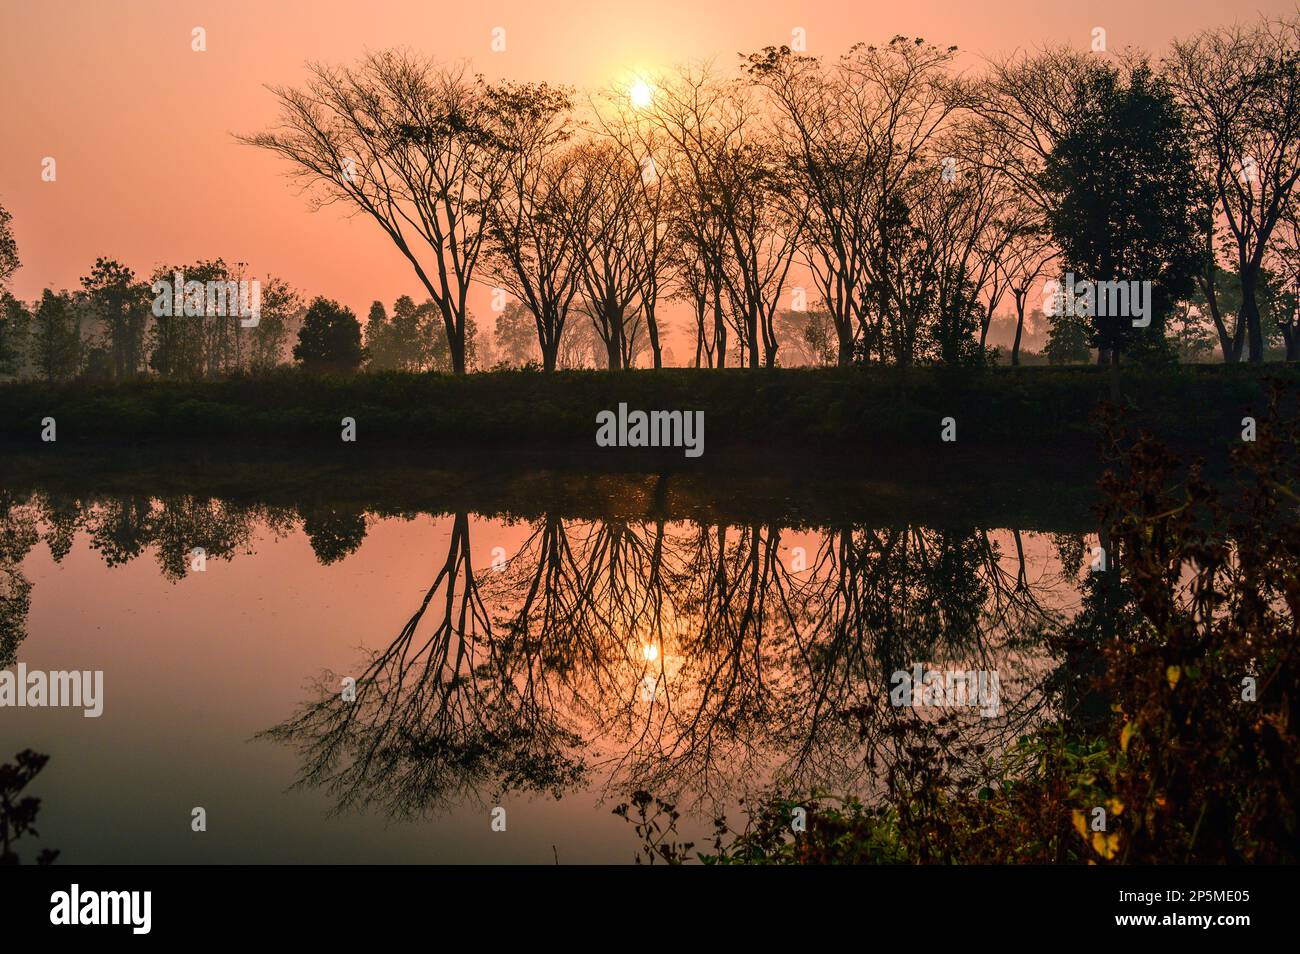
{"type": "Point", "coordinates": [608, 236]}
{"type": "Point", "coordinates": [1240, 86]}
{"type": "Point", "coordinates": [1025, 99]}
{"type": "Point", "coordinates": [533, 251]}
{"type": "Point", "coordinates": [695, 284]}
{"type": "Point", "coordinates": [833, 166]}
{"type": "Point", "coordinates": [630, 128]}
{"type": "Point", "coordinates": [763, 218]}
{"type": "Point", "coordinates": [736, 201]}
{"type": "Point", "coordinates": [992, 213]}
{"type": "Point", "coordinates": [690, 108]}
{"type": "Point", "coordinates": [1027, 255]}
{"type": "Point", "coordinates": [416, 147]}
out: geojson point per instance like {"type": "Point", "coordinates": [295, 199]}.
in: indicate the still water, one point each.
{"type": "Point", "coordinates": [366, 679]}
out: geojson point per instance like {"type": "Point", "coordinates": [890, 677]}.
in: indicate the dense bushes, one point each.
{"type": "Point", "coordinates": [836, 410]}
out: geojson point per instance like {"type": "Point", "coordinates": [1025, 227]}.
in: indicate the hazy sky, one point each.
{"type": "Point", "coordinates": [141, 126]}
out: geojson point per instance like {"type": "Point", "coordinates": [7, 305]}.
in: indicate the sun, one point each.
{"type": "Point", "coordinates": [640, 94]}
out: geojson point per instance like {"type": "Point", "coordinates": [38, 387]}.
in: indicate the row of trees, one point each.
{"type": "Point", "coordinates": [107, 329]}
{"type": "Point", "coordinates": [918, 200]}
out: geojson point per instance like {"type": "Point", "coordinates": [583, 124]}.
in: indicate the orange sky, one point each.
{"type": "Point", "coordinates": [141, 126]}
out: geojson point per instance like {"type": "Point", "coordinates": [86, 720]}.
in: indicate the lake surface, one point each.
{"type": "Point", "coordinates": [539, 641]}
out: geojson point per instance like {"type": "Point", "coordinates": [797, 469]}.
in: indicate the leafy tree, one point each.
{"type": "Point", "coordinates": [330, 338]}
{"type": "Point", "coordinates": [280, 303]}
{"type": "Point", "coordinates": [516, 335]}
{"type": "Point", "coordinates": [956, 319]}
{"type": "Point", "coordinates": [96, 362]}
{"type": "Point", "coordinates": [15, 327]}
{"type": "Point", "coordinates": [806, 338]}
{"type": "Point", "coordinates": [8, 248]}
{"type": "Point", "coordinates": [379, 339]}
{"type": "Point", "coordinates": [1219, 292]}
{"type": "Point", "coordinates": [434, 355]}
{"type": "Point", "coordinates": [189, 345]}
{"type": "Point", "coordinates": [472, 343]}
{"type": "Point", "coordinates": [402, 343]}
{"type": "Point", "coordinates": [1067, 339]}
{"type": "Point", "coordinates": [581, 346]}
{"type": "Point", "coordinates": [56, 336]}
{"type": "Point", "coordinates": [1126, 199]}
{"type": "Point", "coordinates": [13, 316]}
{"type": "Point", "coordinates": [121, 304]}
{"type": "Point", "coordinates": [421, 339]}
{"type": "Point", "coordinates": [1190, 334]}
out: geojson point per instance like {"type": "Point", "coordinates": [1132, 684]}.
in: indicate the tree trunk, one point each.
{"type": "Point", "coordinates": [457, 348]}
{"type": "Point", "coordinates": [1226, 344]}
{"type": "Point", "coordinates": [701, 307]}
{"type": "Point", "coordinates": [1020, 327]}
{"type": "Point", "coordinates": [1249, 314]}
{"type": "Point", "coordinates": [719, 330]}
{"type": "Point", "coordinates": [652, 327]}
{"type": "Point", "coordinates": [1291, 335]}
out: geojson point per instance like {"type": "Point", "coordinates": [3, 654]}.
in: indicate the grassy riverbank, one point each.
{"type": "Point", "coordinates": [827, 412]}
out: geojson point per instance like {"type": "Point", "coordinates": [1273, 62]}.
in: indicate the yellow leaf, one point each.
{"type": "Point", "coordinates": [1081, 824]}
{"type": "Point", "coordinates": [1126, 735]}
{"type": "Point", "coordinates": [1115, 806]}
{"type": "Point", "coordinates": [1105, 845]}
{"type": "Point", "coordinates": [1172, 674]}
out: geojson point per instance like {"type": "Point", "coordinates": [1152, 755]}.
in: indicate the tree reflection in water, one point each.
{"type": "Point", "coordinates": [680, 658]}
{"type": "Point", "coordinates": [697, 659]}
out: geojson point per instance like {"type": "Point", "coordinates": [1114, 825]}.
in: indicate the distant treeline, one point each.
{"type": "Point", "coordinates": [107, 330]}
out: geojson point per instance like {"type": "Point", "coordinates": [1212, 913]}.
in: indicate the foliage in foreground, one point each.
{"type": "Point", "coordinates": [18, 814]}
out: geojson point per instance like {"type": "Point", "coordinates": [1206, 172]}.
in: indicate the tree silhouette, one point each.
{"type": "Point", "coordinates": [1125, 182]}
{"type": "Point", "coordinates": [330, 338]}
